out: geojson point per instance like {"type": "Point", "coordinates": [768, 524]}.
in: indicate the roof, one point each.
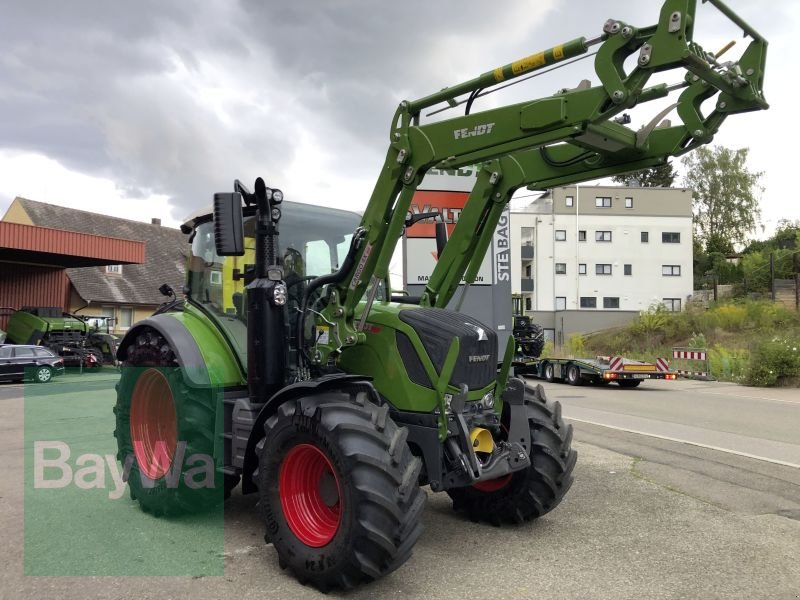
{"type": "Point", "coordinates": [53, 247]}
{"type": "Point", "coordinates": [165, 254]}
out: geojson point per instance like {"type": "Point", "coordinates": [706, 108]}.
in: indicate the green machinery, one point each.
{"type": "Point", "coordinates": [69, 336]}
{"type": "Point", "coordinates": [292, 367]}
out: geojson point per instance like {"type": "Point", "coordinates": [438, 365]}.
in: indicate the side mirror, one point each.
{"type": "Point", "coordinates": [228, 226]}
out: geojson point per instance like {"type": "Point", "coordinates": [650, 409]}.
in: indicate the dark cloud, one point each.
{"type": "Point", "coordinates": [180, 98]}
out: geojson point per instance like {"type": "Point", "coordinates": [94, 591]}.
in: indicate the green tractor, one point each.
{"type": "Point", "coordinates": [293, 368]}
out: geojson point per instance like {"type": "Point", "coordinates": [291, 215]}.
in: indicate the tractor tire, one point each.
{"type": "Point", "coordinates": [574, 375]}
{"type": "Point", "coordinates": [629, 383]}
{"type": "Point", "coordinates": [534, 341]}
{"type": "Point", "coordinates": [338, 490]}
{"type": "Point", "coordinates": [165, 429]}
{"type": "Point", "coordinates": [532, 492]}
{"type": "Point", "coordinates": [98, 354]}
{"type": "Point", "coordinates": [549, 372]}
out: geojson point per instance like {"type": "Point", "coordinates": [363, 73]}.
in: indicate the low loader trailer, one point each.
{"type": "Point", "coordinates": [600, 370]}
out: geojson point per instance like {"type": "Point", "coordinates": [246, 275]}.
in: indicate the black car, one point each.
{"type": "Point", "coordinates": [31, 362]}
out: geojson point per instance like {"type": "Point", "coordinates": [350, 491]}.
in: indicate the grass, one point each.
{"type": "Point", "coordinates": [753, 342]}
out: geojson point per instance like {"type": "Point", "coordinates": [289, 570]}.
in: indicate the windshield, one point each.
{"type": "Point", "coordinates": [313, 241]}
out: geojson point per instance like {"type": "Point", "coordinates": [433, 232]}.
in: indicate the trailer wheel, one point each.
{"type": "Point", "coordinates": [537, 490]}
{"type": "Point", "coordinates": [574, 375]}
{"type": "Point", "coordinates": [165, 428]}
{"type": "Point", "coordinates": [549, 372]}
{"type": "Point", "coordinates": [338, 490]}
{"type": "Point", "coordinates": [629, 383]}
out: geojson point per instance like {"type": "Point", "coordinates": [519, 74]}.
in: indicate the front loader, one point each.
{"type": "Point", "coordinates": [292, 367]}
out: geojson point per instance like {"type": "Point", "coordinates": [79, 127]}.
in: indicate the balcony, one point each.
{"type": "Point", "coordinates": [526, 252]}
{"type": "Point", "coordinates": [526, 284]}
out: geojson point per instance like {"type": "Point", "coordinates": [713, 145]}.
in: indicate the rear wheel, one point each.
{"type": "Point", "coordinates": [574, 375]}
{"type": "Point", "coordinates": [629, 383]}
{"type": "Point", "coordinates": [537, 490]}
{"type": "Point", "coordinates": [338, 490]}
{"type": "Point", "coordinates": [549, 372]}
{"type": "Point", "coordinates": [165, 429]}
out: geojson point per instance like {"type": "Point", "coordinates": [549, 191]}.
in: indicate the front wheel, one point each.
{"type": "Point", "coordinates": [549, 373]}
{"type": "Point", "coordinates": [532, 492]}
{"type": "Point", "coordinates": [43, 375]}
{"type": "Point", "coordinates": [338, 490]}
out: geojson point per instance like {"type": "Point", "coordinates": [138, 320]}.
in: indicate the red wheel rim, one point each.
{"type": "Point", "coordinates": [492, 485]}
{"type": "Point", "coordinates": [154, 425]}
{"type": "Point", "coordinates": [310, 495]}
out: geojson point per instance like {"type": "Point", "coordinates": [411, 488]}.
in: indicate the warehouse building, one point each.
{"type": "Point", "coordinates": [116, 268]}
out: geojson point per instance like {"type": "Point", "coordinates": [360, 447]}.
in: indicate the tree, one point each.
{"type": "Point", "coordinates": [662, 176]}
{"type": "Point", "coordinates": [725, 199]}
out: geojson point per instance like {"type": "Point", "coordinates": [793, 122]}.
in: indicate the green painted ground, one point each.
{"type": "Point", "coordinates": [74, 531]}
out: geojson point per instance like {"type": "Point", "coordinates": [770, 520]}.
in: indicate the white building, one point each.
{"type": "Point", "coordinates": [594, 257]}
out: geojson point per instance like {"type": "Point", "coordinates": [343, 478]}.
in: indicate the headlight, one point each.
{"type": "Point", "coordinates": [276, 214]}
{"type": "Point", "coordinates": [488, 400]}
{"type": "Point", "coordinates": [279, 294]}
{"type": "Point", "coordinates": [277, 196]}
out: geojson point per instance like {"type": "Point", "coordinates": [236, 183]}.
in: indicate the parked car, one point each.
{"type": "Point", "coordinates": [32, 362]}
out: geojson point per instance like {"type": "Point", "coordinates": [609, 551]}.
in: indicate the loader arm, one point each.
{"type": "Point", "coordinates": [550, 166]}
{"type": "Point", "coordinates": [581, 117]}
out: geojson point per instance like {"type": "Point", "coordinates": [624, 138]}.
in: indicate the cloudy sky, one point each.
{"type": "Point", "coordinates": [144, 109]}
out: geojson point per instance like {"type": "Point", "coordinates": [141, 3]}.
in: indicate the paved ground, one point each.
{"type": "Point", "coordinates": [646, 518]}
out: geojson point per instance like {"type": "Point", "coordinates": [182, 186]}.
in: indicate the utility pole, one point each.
{"type": "Point", "coordinates": [772, 274]}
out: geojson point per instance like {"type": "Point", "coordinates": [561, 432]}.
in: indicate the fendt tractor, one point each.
{"type": "Point", "coordinates": [292, 365]}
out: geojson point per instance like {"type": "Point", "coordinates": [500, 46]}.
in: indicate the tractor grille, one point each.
{"type": "Point", "coordinates": [436, 327]}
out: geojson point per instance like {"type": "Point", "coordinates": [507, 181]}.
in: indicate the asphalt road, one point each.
{"type": "Point", "coordinates": [647, 517]}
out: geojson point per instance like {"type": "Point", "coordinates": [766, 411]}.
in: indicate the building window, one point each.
{"type": "Point", "coordinates": [672, 304]}
{"type": "Point", "coordinates": [645, 237]}
{"type": "Point", "coordinates": [215, 277]}
{"type": "Point", "coordinates": [588, 302]}
{"type": "Point", "coordinates": [602, 236]}
{"type": "Point", "coordinates": [561, 303]}
{"type": "Point", "coordinates": [526, 236]}
{"type": "Point", "coordinates": [561, 268]}
{"type": "Point", "coordinates": [528, 304]}
{"type": "Point", "coordinates": [570, 201]}
{"type": "Point", "coordinates": [628, 202]}
{"type": "Point", "coordinates": [125, 317]}
{"type": "Point", "coordinates": [602, 269]}
{"type": "Point", "coordinates": [528, 271]}
{"type": "Point", "coordinates": [602, 202]}
{"type": "Point", "coordinates": [610, 302]}
{"type": "Point", "coordinates": [561, 235]}
{"type": "Point", "coordinates": [670, 237]}
{"type": "Point", "coordinates": [582, 269]}
{"type": "Point", "coordinates": [115, 269]}
{"type": "Point", "coordinates": [582, 235]}
{"type": "Point", "coordinates": [671, 270]}
{"type": "Point", "coordinates": [628, 269]}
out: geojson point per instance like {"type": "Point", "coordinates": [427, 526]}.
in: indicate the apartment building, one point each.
{"type": "Point", "coordinates": [593, 257]}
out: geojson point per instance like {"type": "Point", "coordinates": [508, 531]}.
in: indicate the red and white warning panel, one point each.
{"type": "Point", "coordinates": [689, 354]}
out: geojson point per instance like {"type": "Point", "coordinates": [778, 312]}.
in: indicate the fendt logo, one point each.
{"type": "Point", "coordinates": [475, 131]}
{"type": "Point", "coordinates": [478, 358]}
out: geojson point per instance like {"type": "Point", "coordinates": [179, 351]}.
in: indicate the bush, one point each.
{"type": "Point", "coordinates": [727, 364]}
{"type": "Point", "coordinates": [774, 362]}
{"type": "Point", "coordinates": [576, 346]}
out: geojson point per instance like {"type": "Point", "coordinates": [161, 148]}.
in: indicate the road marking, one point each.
{"type": "Point", "coordinates": [698, 444]}
{"type": "Point", "coordinates": [734, 396]}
